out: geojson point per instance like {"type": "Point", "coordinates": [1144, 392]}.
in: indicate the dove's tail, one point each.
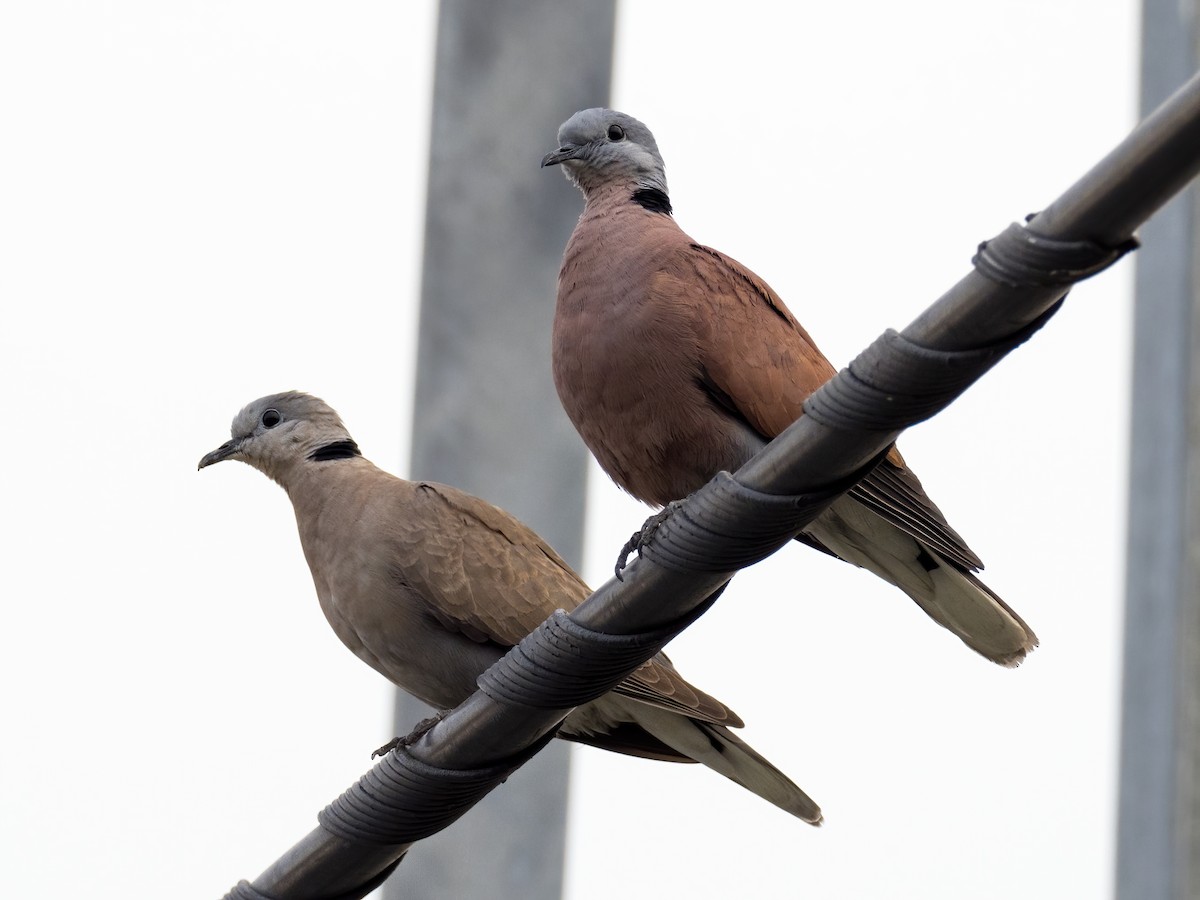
{"type": "Point", "coordinates": [950, 595]}
{"type": "Point", "coordinates": [722, 751]}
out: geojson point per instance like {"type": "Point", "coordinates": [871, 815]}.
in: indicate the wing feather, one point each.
{"type": "Point", "coordinates": [496, 549]}
{"type": "Point", "coordinates": [760, 365]}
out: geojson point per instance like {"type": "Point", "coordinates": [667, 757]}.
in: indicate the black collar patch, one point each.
{"type": "Point", "coordinates": [337, 450]}
{"type": "Point", "coordinates": [652, 199]}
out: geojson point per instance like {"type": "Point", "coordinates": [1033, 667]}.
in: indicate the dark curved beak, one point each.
{"type": "Point", "coordinates": [226, 450]}
{"type": "Point", "coordinates": [562, 154]}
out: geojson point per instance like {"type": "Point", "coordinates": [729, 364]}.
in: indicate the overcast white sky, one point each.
{"type": "Point", "coordinates": [204, 202]}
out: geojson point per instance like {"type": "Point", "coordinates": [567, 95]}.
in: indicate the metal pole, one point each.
{"type": "Point", "coordinates": [486, 418]}
{"type": "Point", "coordinates": [1158, 841]}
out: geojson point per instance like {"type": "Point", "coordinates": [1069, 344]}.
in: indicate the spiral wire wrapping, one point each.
{"type": "Point", "coordinates": [244, 890]}
{"type": "Point", "coordinates": [563, 664]}
{"type": "Point", "coordinates": [1020, 257]}
{"type": "Point", "coordinates": [895, 383]}
{"type": "Point", "coordinates": [726, 526]}
{"type": "Point", "coordinates": [403, 799]}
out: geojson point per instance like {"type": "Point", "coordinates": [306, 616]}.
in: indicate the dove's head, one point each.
{"type": "Point", "coordinates": [276, 433]}
{"type": "Point", "coordinates": [600, 147]}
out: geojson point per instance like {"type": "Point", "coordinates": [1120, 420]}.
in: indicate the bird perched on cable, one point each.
{"type": "Point", "coordinates": [676, 362]}
{"type": "Point", "coordinates": [429, 586]}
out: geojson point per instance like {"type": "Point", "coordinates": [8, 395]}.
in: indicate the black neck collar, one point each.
{"type": "Point", "coordinates": [346, 449]}
{"type": "Point", "coordinates": [652, 199]}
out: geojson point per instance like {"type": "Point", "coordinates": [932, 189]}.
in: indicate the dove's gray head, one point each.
{"type": "Point", "coordinates": [276, 433]}
{"type": "Point", "coordinates": [599, 147]}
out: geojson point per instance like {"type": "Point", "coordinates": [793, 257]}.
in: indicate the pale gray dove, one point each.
{"type": "Point", "coordinates": [676, 362]}
{"type": "Point", "coordinates": [429, 586]}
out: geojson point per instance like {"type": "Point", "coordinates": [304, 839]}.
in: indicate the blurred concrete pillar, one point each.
{"type": "Point", "coordinates": [1158, 853]}
{"type": "Point", "coordinates": [486, 419]}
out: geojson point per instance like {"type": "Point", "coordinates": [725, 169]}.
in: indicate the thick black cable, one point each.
{"type": "Point", "coordinates": [244, 890]}
{"type": "Point", "coordinates": [403, 799]}
{"type": "Point", "coordinates": [896, 383]}
{"type": "Point", "coordinates": [726, 526]}
{"type": "Point", "coordinates": [563, 664]}
{"type": "Point", "coordinates": [1021, 257]}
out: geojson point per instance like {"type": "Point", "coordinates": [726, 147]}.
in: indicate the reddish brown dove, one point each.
{"type": "Point", "coordinates": [429, 586]}
{"type": "Point", "coordinates": [676, 362]}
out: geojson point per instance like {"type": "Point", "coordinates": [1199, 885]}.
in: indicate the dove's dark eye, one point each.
{"type": "Point", "coordinates": [616, 133]}
{"type": "Point", "coordinates": [271, 418]}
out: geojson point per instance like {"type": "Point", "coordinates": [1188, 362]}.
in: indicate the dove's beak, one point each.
{"type": "Point", "coordinates": [562, 154]}
{"type": "Point", "coordinates": [225, 451]}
